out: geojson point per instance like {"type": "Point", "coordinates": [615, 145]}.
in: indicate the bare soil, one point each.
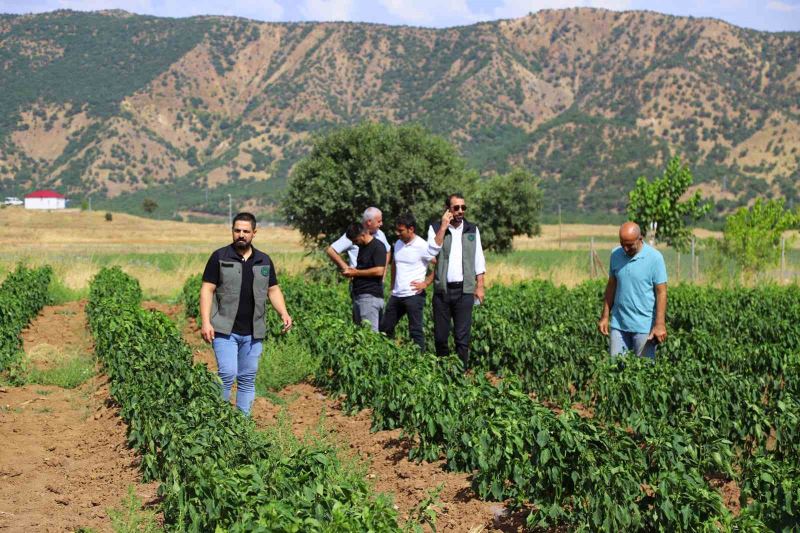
{"type": "Point", "coordinates": [64, 461]}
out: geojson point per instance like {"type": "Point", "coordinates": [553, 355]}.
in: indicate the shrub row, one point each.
{"type": "Point", "coordinates": [216, 471]}
{"type": "Point", "coordinates": [22, 295]}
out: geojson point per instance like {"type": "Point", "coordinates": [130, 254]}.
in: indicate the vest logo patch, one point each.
{"type": "Point", "coordinates": [265, 271]}
{"type": "Point", "coordinates": [471, 237]}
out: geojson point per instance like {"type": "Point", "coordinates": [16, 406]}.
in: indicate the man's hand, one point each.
{"type": "Point", "coordinates": [602, 325]}
{"type": "Point", "coordinates": [207, 332]}
{"type": "Point", "coordinates": [480, 293]}
{"type": "Point", "coordinates": [349, 272]}
{"type": "Point", "coordinates": [287, 322]}
{"type": "Point", "coordinates": [446, 218]}
{"type": "Point", "coordinates": [419, 285]}
{"type": "Point", "coordinates": [659, 333]}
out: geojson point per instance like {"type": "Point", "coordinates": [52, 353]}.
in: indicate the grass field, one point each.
{"type": "Point", "coordinates": [162, 254]}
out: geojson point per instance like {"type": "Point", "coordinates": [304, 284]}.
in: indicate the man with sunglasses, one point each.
{"type": "Point", "coordinates": [458, 278]}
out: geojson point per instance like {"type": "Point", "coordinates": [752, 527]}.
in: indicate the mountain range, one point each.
{"type": "Point", "coordinates": [184, 112]}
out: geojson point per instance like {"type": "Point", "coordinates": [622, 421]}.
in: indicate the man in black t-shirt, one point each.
{"type": "Point", "coordinates": [237, 281]}
{"type": "Point", "coordinates": [367, 276]}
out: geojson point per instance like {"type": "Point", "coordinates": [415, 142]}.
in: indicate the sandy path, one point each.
{"type": "Point", "coordinates": [63, 460]}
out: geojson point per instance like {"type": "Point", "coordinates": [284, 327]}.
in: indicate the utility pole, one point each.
{"type": "Point", "coordinates": [559, 226]}
{"type": "Point", "coordinates": [783, 259]}
{"type": "Point", "coordinates": [230, 211]}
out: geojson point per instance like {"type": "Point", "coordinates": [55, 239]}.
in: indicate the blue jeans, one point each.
{"type": "Point", "coordinates": [620, 342]}
{"type": "Point", "coordinates": [237, 358]}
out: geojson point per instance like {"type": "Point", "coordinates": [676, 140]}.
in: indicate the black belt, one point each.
{"type": "Point", "coordinates": [455, 285]}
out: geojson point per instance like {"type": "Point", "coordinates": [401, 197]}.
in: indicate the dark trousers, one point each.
{"type": "Point", "coordinates": [412, 306]}
{"type": "Point", "coordinates": [454, 306]}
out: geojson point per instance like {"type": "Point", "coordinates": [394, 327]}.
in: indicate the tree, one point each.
{"type": "Point", "coordinates": [149, 205]}
{"type": "Point", "coordinates": [508, 205]}
{"type": "Point", "coordinates": [396, 168]}
{"type": "Point", "coordinates": [752, 235]}
{"type": "Point", "coordinates": [659, 202]}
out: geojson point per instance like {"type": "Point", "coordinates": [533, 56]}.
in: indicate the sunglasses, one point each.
{"type": "Point", "coordinates": [459, 208]}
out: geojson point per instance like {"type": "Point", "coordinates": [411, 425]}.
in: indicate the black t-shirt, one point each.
{"type": "Point", "coordinates": [369, 256]}
{"type": "Point", "coordinates": [243, 325]}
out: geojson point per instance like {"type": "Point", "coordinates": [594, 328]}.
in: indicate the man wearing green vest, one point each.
{"type": "Point", "coordinates": [237, 281]}
{"type": "Point", "coordinates": [458, 278]}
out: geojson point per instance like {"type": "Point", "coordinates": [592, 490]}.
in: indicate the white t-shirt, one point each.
{"type": "Point", "coordinates": [343, 243]}
{"type": "Point", "coordinates": [455, 267]}
{"type": "Point", "coordinates": [411, 264]}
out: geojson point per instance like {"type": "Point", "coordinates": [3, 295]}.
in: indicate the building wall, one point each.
{"type": "Point", "coordinates": [45, 203]}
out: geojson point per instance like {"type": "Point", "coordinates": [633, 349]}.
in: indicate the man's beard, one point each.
{"type": "Point", "coordinates": [241, 244]}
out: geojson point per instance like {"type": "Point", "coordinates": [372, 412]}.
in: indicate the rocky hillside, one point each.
{"type": "Point", "coordinates": [186, 111]}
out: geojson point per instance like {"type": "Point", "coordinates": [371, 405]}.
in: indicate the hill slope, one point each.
{"type": "Point", "coordinates": [186, 111]}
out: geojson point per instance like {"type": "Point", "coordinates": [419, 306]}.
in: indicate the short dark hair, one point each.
{"type": "Point", "coordinates": [354, 230]}
{"type": "Point", "coordinates": [454, 195]}
{"type": "Point", "coordinates": [248, 217]}
{"type": "Point", "coordinates": [407, 220]}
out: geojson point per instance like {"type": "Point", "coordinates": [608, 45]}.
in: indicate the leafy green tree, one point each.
{"type": "Point", "coordinates": [149, 205]}
{"type": "Point", "coordinates": [508, 205]}
{"type": "Point", "coordinates": [395, 168]}
{"type": "Point", "coordinates": [659, 201]}
{"type": "Point", "coordinates": [752, 235]}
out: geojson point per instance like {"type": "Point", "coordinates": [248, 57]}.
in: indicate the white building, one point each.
{"type": "Point", "coordinates": [45, 199]}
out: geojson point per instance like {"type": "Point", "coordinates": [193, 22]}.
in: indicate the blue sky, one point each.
{"type": "Point", "coordinates": [769, 15]}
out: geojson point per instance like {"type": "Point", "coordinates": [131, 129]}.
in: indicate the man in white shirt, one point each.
{"type": "Point", "coordinates": [458, 280]}
{"type": "Point", "coordinates": [409, 279]}
{"type": "Point", "coordinates": [372, 220]}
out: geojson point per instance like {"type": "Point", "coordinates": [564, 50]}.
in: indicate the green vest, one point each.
{"type": "Point", "coordinates": [225, 303]}
{"type": "Point", "coordinates": [468, 251]}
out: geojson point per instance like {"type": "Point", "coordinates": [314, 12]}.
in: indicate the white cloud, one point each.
{"type": "Point", "coordinates": [326, 10]}
{"type": "Point", "coordinates": [783, 7]}
{"type": "Point", "coordinates": [427, 12]}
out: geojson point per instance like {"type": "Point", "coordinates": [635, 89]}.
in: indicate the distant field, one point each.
{"type": "Point", "coordinates": [162, 254]}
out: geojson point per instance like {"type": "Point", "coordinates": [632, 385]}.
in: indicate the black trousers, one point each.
{"type": "Point", "coordinates": [411, 306]}
{"type": "Point", "coordinates": [456, 307]}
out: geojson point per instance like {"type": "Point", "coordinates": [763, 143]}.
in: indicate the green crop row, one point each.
{"type": "Point", "coordinates": [216, 471]}
{"type": "Point", "coordinates": [714, 406]}
{"type": "Point", "coordinates": [22, 295]}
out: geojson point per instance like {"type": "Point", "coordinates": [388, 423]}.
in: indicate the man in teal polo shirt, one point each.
{"type": "Point", "coordinates": [636, 296]}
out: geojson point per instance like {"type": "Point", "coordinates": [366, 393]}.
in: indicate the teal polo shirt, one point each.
{"type": "Point", "coordinates": [635, 300]}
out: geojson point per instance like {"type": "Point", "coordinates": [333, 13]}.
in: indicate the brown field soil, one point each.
{"type": "Point", "coordinates": [385, 454]}
{"type": "Point", "coordinates": [64, 461]}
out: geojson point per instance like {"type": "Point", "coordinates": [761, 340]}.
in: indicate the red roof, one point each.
{"type": "Point", "coordinates": [44, 193]}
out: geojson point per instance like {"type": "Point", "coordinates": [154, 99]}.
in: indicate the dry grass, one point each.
{"type": "Point", "coordinates": [162, 254]}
